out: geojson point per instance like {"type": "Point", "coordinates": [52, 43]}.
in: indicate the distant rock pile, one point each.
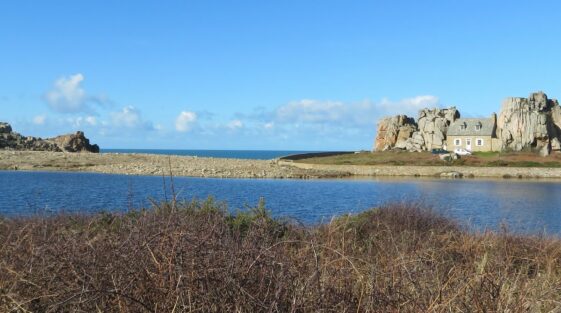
{"type": "Point", "coordinates": [433, 125]}
{"type": "Point", "coordinates": [10, 140]}
{"type": "Point", "coordinates": [75, 143]}
{"type": "Point", "coordinates": [5, 128]}
{"type": "Point", "coordinates": [403, 133]}
{"type": "Point", "coordinates": [530, 123]}
{"type": "Point", "coordinates": [394, 132]}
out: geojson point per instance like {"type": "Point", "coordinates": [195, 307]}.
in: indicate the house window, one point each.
{"type": "Point", "coordinates": [457, 142]}
{"type": "Point", "coordinates": [479, 142]}
{"type": "Point", "coordinates": [477, 127]}
{"type": "Point", "coordinates": [463, 126]}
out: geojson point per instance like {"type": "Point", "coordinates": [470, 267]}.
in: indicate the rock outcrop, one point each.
{"type": "Point", "coordinates": [5, 128]}
{"type": "Point", "coordinates": [394, 132]}
{"type": "Point", "coordinates": [402, 132]}
{"type": "Point", "coordinates": [10, 140]}
{"type": "Point", "coordinates": [433, 125]}
{"type": "Point", "coordinates": [75, 143]}
{"type": "Point", "coordinates": [532, 123]}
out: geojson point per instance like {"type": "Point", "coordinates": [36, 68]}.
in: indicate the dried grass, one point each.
{"type": "Point", "coordinates": [195, 257]}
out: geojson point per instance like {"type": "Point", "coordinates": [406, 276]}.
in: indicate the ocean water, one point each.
{"type": "Point", "coordinates": [526, 206]}
{"type": "Point", "coordinates": [233, 154]}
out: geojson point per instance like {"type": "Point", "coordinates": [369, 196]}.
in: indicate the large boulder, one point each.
{"type": "Point", "coordinates": [394, 132]}
{"type": "Point", "coordinates": [416, 143]}
{"type": "Point", "coordinates": [531, 123]}
{"type": "Point", "coordinates": [75, 143]}
{"type": "Point", "coordinates": [401, 132]}
{"type": "Point", "coordinates": [433, 126]}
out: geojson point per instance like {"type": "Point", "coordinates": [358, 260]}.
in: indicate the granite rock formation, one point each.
{"type": "Point", "coordinates": [394, 132]}
{"type": "Point", "coordinates": [433, 125]}
{"type": "Point", "coordinates": [75, 143]}
{"type": "Point", "coordinates": [5, 128]}
{"type": "Point", "coordinates": [532, 123]}
{"type": "Point", "coordinates": [402, 132]}
{"type": "Point", "coordinates": [10, 140]}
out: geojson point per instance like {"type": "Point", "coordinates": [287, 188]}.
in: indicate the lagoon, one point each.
{"type": "Point", "coordinates": [525, 206]}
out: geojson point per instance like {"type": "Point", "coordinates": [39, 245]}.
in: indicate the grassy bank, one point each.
{"type": "Point", "coordinates": [489, 159]}
{"type": "Point", "coordinates": [195, 257]}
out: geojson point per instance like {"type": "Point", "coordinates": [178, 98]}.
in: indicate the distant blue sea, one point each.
{"type": "Point", "coordinates": [232, 154]}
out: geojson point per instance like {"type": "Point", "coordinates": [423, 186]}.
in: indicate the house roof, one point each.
{"type": "Point", "coordinates": [467, 127]}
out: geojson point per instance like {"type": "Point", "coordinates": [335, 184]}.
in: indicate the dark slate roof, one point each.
{"type": "Point", "coordinates": [487, 127]}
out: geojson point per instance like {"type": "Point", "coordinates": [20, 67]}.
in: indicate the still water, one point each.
{"type": "Point", "coordinates": [526, 206]}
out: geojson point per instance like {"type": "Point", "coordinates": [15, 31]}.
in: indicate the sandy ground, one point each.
{"type": "Point", "coordinates": [149, 164]}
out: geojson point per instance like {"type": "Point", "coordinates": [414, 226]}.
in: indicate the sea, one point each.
{"type": "Point", "coordinates": [232, 154]}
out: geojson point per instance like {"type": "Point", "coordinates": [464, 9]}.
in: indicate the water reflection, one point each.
{"type": "Point", "coordinates": [527, 206]}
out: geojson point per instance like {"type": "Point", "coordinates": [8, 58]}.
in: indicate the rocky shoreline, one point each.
{"type": "Point", "coordinates": [149, 164]}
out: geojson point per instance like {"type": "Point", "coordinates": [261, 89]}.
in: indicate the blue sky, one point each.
{"type": "Point", "coordinates": [311, 75]}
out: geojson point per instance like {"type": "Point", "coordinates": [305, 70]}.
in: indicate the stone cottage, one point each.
{"type": "Point", "coordinates": [473, 134]}
{"type": "Point", "coordinates": [532, 124]}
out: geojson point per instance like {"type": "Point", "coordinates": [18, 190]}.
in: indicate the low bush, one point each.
{"type": "Point", "coordinates": [197, 257]}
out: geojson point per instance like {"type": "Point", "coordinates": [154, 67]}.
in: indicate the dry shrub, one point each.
{"type": "Point", "coordinates": [196, 257]}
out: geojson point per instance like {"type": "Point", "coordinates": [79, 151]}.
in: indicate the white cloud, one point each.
{"type": "Point", "coordinates": [39, 120]}
{"type": "Point", "coordinates": [67, 95]}
{"type": "Point", "coordinates": [91, 120]}
{"type": "Point", "coordinates": [331, 113]}
{"type": "Point", "coordinates": [82, 121]}
{"type": "Point", "coordinates": [311, 111]}
{"type": "Point", "coordinates": [130, 117]}
{"type": "Point", "coordinates": [185, 121]}
{"type": "Point", "coordinates": [235, 124]}
{"type": "Point", "coordinates": [409, 105]}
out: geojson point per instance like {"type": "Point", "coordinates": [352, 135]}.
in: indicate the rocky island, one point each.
{"type": "Point", "coordinates": [77, 142]}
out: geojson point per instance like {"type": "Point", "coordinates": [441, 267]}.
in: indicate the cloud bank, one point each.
{"type": "Point", "coordinates": [356, 114]}
{"type": "Point", "coordinates": [309, 123]}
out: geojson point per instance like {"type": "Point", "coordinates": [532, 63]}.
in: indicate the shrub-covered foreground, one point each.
{"type": "Point", "coordinates": [197, 258]}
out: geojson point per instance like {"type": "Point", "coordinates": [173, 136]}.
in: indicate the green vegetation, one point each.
{"type": "Point", "coordinates": [379, 158]}
{"type": "Point", "coordinates": [492, 159]}
{"type": "Point", "coordinates": [197, 257]}
{"type": "Point", "coordinates": [486, 154]}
